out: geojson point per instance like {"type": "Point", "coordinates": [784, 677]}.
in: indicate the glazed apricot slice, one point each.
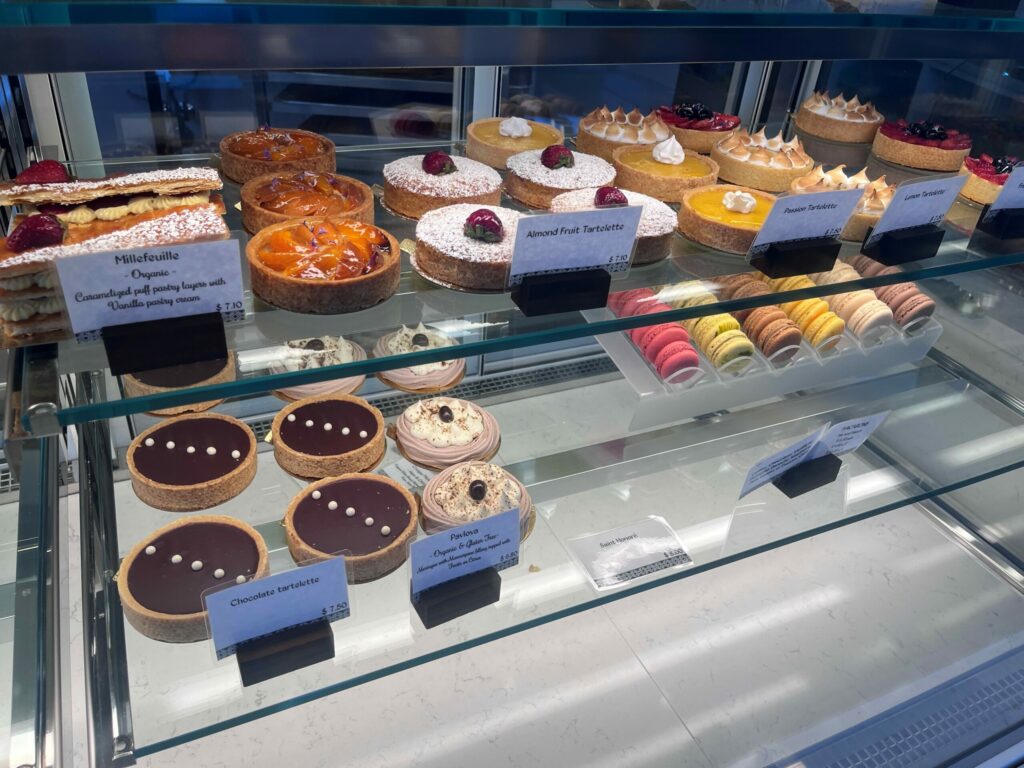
{"type": "Point", "coordinates": [325, 251]}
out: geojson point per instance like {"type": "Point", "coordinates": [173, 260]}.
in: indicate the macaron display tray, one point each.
{"type": "Point", "coordinates": [707, 389]}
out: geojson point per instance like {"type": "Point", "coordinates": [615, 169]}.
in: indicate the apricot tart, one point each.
{"type": "Point", "coordinates": [420, 183]}
{"type": "Point", "coordinates": [768, 164]}
{"type": "Point", "coordinates": [201, 374]}
{"type": "Point", "coordinates": [248, 154]}
{"type": "Point", "coordinates": [494, 140]}
{"type": "Point", "coordinates": [162, 579]}
{"type": "Point", "coordinates": [986, 176]}
{"type": "Point", "coordinates": [424, 378]}
{"type": "Point", "coordinates": [697, 127]}
{"type": "Point", "coordinates": [724, 216]}
{"type": "Point", "coordinates": [276, 197]}
{"type": "Point", "coordinates": [870, 207]}
{"type": "Point", "coordinates": [838, 119]}
{"type": "Point", "coordinates": [603, 131]}
{"type": "Point", "coordinates": [323, 265]}
{"type": "Point", "coordinates": [536, 177]}
{"type": "Point", "coordinates": [664, 171]}
{"type": "Point", "coordinates": [923, 145]}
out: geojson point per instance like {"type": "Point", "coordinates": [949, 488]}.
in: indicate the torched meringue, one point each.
{"type": "Point", "coordinates": [877, 193]}
{"type": "Point", "coordinates": [758, 149]}
{"type": "Point", "coordinates": [839, 108]}
{"type": "Point", "coordinates": [626, 128]}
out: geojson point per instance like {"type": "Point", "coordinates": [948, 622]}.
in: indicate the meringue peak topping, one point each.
{"type": "Point", "coordinates": [759, 149]}
{"type": "Point", "coordinates": [841, 108]}
{"type": "Point", "coordinates": [625, 128]}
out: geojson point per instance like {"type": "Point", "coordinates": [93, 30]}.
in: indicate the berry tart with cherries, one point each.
{"type": "Point", "coordinates": [923, 144]}
{"type": "Point", "coordinates": [277, 197]}
{"type": "Point", "coordinates": [466, 246]}
{"type": "Point", "coordinates": [696, 126]}
{"type": "Point", "coordinates": [419, 183]}
{"type": "Point", "coordinates": [248, 154]}
{"type": "Point", "coordinates": [535, 178]}
{"type": "Point", "coordinates": [986, 176]}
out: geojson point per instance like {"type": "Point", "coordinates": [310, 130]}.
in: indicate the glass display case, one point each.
{"type": "Point", "coordinates": [376, 291]}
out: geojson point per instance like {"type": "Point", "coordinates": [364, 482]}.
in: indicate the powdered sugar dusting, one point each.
{"type": "Point", "coordinates": [443, 229]}
{"type": "Point", "coordinates": [469, 178]}
{"type": "Point", "coordinates": [588, 171]}
{"type": "Point", "coordinates": [656, 219]}
{"type": "Point", "coordinates": [206, 176]}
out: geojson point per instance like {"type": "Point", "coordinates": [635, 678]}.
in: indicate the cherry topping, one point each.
{"type": "Point", "coordinates": [927, 130]}
{"type": "Point", "coordinates": [37, 231]}
{"type": "Point", "coordinates": [420, 340]}
{"type": "Point", "coordinates": [438, 163]}
{"type": "Point", "coordinates": [694, 110]}
{"type": "Point", "coordinates": [445, 414]}
{"type": "Point", "coordinates": [1004, 164]}
{"type": "Point", "coordinates": [608, 197]}
{"type": "Point", "coordinates": [557, 156]}
{"type": "Point", "coordinates": [477, 490]}
{"type": "Point", "coordinates": [484, 225]}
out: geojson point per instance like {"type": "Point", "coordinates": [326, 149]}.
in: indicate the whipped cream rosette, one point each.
{"type": "Point", "coordinates": [443, 431]}
{"type": "Point", "coordinates": [319, 352]}
{"type": "Point", "coordinates": [838, 118]}
{"type": "Point", "coordinates": [472, 491]}
{"type": "Point", "coordinates": [424, 378]}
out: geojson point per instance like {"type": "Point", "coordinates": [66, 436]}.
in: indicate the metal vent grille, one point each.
{"type": "Point", "coordinates": [8, 484]}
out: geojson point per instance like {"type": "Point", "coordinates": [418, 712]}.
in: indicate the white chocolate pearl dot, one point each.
{"type": "Point", "coordinates": [368, 521]}
{"type": "Point", "coordinates": [345, 430]}
{"type": "Point", "coordinates": [291, 417]}
{"type": "Point", "coordinates": [219, 573]}
{"type": "Point", "coordinates": [150, 442]}
{"type": "Point", "coordinates": [239, 579]}
{"type": "Point", "coordinates": [150, 549]}
{"type": "Point", "coordinates": [328, 427]}
{"type": "Point", "coordinates": [190, 449]}
{"type": "Point", "coordinates": [176, 559]}
{"type": "Point", "coordinates": [197, 564]}
{"type": "Point", "coordinates": [309, 422]}
{"type": "Point", "coordinates": [236, 454]}
{"type": "Point", "coordinates": [362, 433]}
{"type": "Point", "coordinates": [211, 451]}
{"type": "Point", "coordinates": [170, 444]}
{"type": "Point", "coordinates": [316, 494]}
{"type": "Point", "coordinates": [332, 505]}
{"type": "Point", "coordinates": [384, 531]}
{"type": "Point", "coordinates": [350, 511]}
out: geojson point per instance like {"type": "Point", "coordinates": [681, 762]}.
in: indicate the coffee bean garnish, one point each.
{"type": "Point", "coordinates": [314, 344]}
{"type": "Point", "coordinates": [420, 340]}
{"type": "Point", "coordinates": [445, 413]}
{"type": "Point", "coordinates": [477, 490]}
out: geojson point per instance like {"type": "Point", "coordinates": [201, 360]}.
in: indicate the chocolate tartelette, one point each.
{"type": "Point", "coordinates": [472, 491]}
{"type": "Point", "coordinates": [426, 378]}
{"type": "Point", "coordinates": [322, 352]}
{"type": "Point", "coordinates": [442, 431]}
{"type": "Point", "coordinates": [173, 377]}
{"type": "Point", "coordinates": [192, 462]}
{"type": "Point", "coordinates": [328, 435]}
{"type": "Point", "coordinates": [162, 579]}
{"type": "Point", "coordinates": [277, 197]}
{"type": "Point", "coordinates": [248, 154]}
{"type": "Point", "coordinates": [368, 518]}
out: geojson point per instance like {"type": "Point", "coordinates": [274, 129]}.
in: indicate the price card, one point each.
{"type": "Point", "coordinates": [571, 242]}
{"type": "Point", "coordinates": [770, 468]}
{"type": "Point", "coordinates": [1012, 194]}
{"type": "Point", "coordinates": [119, 287]}
{"type": "Point", "coordinates": [804, 217]}
{"type": "Point", "coordinates": [408, 474]}
{"type": "Point", "coordinates": [613, 557]}
{"type": "Point", "coordinates": [847, 436]}
{"type": "Point", "coordinates": [264, 606]}
{"type": "Point", "coordinates": [466, 549]}
{"type": "Point", "coordinates": [918, 203]}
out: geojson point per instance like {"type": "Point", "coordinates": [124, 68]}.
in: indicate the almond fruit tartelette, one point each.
{"type": "Point", "coordinates": [467, 246]}
{"type": "Point", "coordinates": [419, 183]}
{"type": "Point", "coordinates": [536, 177]}
{"type": "Point", "coordinates": [276, 197]}
{"type": "Point", "coordinates": [248, 154]}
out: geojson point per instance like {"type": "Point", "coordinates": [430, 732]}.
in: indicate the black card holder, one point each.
{"type": "Point", "coordinates": [1004, 224]}
{"type": "Point", "coordinates": [562, 292]}
{"type": "Point", "coordinates": [798, 257]}
{"type": "Point", "coordinates": [808, 475]}
{"type": "Point", "coordinates": [899, 246]}
{"type": "Point", "coordinates": [457, 597]}
{"type": "Point", "coordinates": [284, 652]}
{"type": "Point", "coordinates": [153, 344]}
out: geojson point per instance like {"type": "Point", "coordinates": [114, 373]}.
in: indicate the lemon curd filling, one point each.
{"type": "Point", "coordinates": [541, 137]}
{"type": "Point", "coordinates": [709, 205]}
{"type": "Point", "coordinates": [641, 159]}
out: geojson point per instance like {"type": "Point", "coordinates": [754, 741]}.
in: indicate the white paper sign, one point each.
{"type": "Point", "coordinates": [768, 469]}
{"type": "Point", "coordinates": [802, 217]}
{"type": "Point", "coordinates": [119, 287]}
{"type": "Point", "coordinates": [847, 436]}
{"type": "Point", "coordinates": [441, 557]}
{"type": "Point", "coordinates": [408, 474]}
{"type": "Point", "coordinates": [570, 242]}
{"type": "Point", "coordinates": [618, 555]}
{"type": "Point", "coordinates": [918, 203]}
{"type": "Point", "coordinates": [264, 606]}
{"type": "Point", "coordinates": [1012, 194]}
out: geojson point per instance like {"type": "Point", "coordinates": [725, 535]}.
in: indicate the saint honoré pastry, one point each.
{"type": "Point", "coordinates": [322, 352]}
{"type": "Point", "coordinates": [162, 579]}
{"type": "Point", "coordinates": [536, 177]}
{"type": "Point", "coordinates": [657, 220]}
{"type": "Point", "coordinates": [201, 374]}
{"type": "Point", "coordinates": [664, 171]}
{"type": "Point", "coordinates": [467, 246]}
{"type": "Point", "coordinates": [839, 119]}
{"type": "Point", "coordinates": [986, 176]}
{"type": "Point", "coordinates": [420, 183]}
{"type": "Point", "coordinates": [277, 197]}
{"type": "Point", "coordinates": [603, 131]}
{"type": "Point", "coordinates": [922, 144]}
{"type": "Point", "coordinates": [193, 461]}
{"type": "Point", "coordinates": [427, 378]}
{"type": "Point", "coordinates": [323, 265]}
{"type": "Point", "coordinates": [248, 154]}
{"type": "Point", "coordinates": [724, 216]}
{"type": "Point", "coordinates": [328, 435]}
{"type": "Point", "coordinates": [696, 126]}
{"type": "Point", "coordinates": [768, 164]}
{"type": "Point", "coordinates": [369, 519]}
{"type": "Point", "coordinates": [442, 431]}
{"type": "Point", "coordinates": [871, 206]}
{"type": "Point", "coordinates": [494, 140]}
{"type": "Point", "coordinates": [473, 491]}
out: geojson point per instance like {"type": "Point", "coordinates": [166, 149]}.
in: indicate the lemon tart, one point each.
{"type": "Point", "coordinates": [494, 140]}
{"type": "Point", "coordinates": [603, 131]}
{"type": "Point", "coordinates": [664, 171]}
{"type": "Point", "coordinates": [724, 216]}
{"type": "Point", "coordinates": [870, 207]}
{"type": "Point", "coordinates": [768, 164]}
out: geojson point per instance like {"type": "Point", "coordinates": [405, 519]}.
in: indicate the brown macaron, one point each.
{"type": "Point", "coordinates": [778, 336]}
{"type": "Point", "coordinates": [758, 319]}
{"type": "Point", "coordinates": [745, 291]}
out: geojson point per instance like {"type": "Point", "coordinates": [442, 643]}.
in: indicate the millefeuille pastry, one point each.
{"type": "Point", "coordinates": [697, 127]}
{"type": "Point", "coordinates": [426, 378]}
{"type": "Point", "coordinates": [323, 265]}
{"type": "Point", "coordinates": [871, 206]}
{"type": "Point", "coordinates": [494, 140]}
{"type": "Point", "coordinates": [278, 197]}
{"type": "Point", "coordinates": [442, 431]}
{"type": "Point", "coordinates": [986, 176]}
{"type": "Point", "coordinates": [768, 164]}
{"type": "Point", "coordinates": [536, 177]}
{"type": "Point", "coordinates": [603, 131]}
{"type": "Point", "coordinates": [328, 435]}
{"type": "Point", "coordinates": [248, 154]}
{"type": "Point", "coordinates": [664, 171]}
{"type": "Point", "coordinates": [922, 144]}
{"type": "Point", "coordinates": [322, 352]}
{"type": "Point", "coordinates": [838, 118]}
{"type": "Point", "coordinates": [474, 490]}
{"type": "Point", "coordinates": [420, 183]}
{"type": "Point", "coordinates": [170, 378]}
{"type": "Point", "coordinates": [657, 220]}
{"type": "Point", "coordinates": [724, 216]}
{"type": "Point", "coordinates": [466, 245]}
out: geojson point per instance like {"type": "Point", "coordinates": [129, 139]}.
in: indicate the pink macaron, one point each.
{"type": "Point", "coordinates": [675, 357]}
{"type": "Point", "coordinates": [877, 268]}
{"type": "Point", "coordinates": [616, 300]}
{"type": "Point", "coordinates": [914, 308]}
{"type": "Point", "coordinates": [657, 337]}
{"type": "Point", "coordinates": [642, 305]}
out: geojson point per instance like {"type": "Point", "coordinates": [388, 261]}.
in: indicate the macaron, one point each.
{"type": "Point", "coordinates": [839, 275]}
{"type": "Point", "coordinates": [647, 308]}
{"type": "Point", "coordinates": [759, 319]}
{"type": "Point", "coordinates": [914, 308]}
{"type": "Point", "coordinates": [780, 340]}
{"type": "Point", "coordinates": [826, 326]}
{"type": "Point", "coordinates": [642, 305]}
{"type": "Point", "coordinates": [706, 328]}
{"type": "Point", "coordinates": [795, 283]}
{"type": "Point", "coordinates": [894, 295]}
{"type": "Point", "coordinates": [727, 284]}
{"type": "Point", "coordinates": [871, 316]}
{"type": "Point", "coordinates": [657, 337]}
{"type": "Point", "coordinates": [807, 311]}
{"type": "Point", "coordinates": [860, 262]}
{"type": "Point", "coordinates": [616, 300]}
{"type": "Point", "coordinates": [746, 291]}
{"type": "Point", "coordinates": [876, 268]}
{"type": "Point", "coordinates": [674, 357]}
{"type": "Point", "coordinates": [845, 304]}
{"type": "Point", "coordinates": [727, 346]}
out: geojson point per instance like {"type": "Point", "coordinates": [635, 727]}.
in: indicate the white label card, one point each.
{"type": "Point", "coordinates": [264, 606]}
{"type": "Point", "coordinates": [613, 557]}
{"type": "Point", "coordinates": [1012, 194]}
{"type": "Point", "coordinates": [440, 557]}
{"type": "Point", "coordinates": [917, 203]}
{"type": "Point", "coordinates": [768, 469]}
{"type": "Point", "coordinates": [119, 287]}
{"type": "Point", "coordinates": [803, 217]}
{"type": "Point", "coordinates": [408, 474]}
{"type": "Point", "coordinates": [847, 436]}
{"type": "Point", "coordinates": [570, 242]}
